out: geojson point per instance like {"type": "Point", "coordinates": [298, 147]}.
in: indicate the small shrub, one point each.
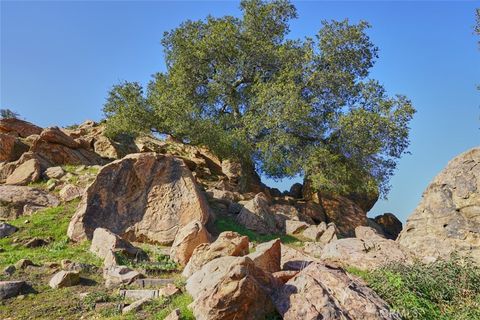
{"type": "Point", "coordinates": [443, 290]}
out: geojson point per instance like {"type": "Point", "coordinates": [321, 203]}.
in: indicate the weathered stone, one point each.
{"type": "Point", "coordinates": [63, 279]}
{"type": "Point", "coordinates": [325, 292]}
{"type": "Point", "coordinates": [70, 192]}
{"type": "Point", "coordinates": [257, 217]}
{"type": "Point", "coordinates": [390, 225]}
{"type": "Point", "coordinates": [152, 283]}
{"type": "Point", "coordinates": [18, 127]}
{"type": "Point", "coordinates": [35, 243]}
{"type": "Point", "coordinates": [10, 289]}
{"type": "Point", "coordinates": [367, 252]}
{"type": "Point", "coordinates": [23, 263]}
{"type": "Point", "coordinates": [293, 259]}
{"type": "Point", "coordinates": [228, 243]}
{"type": "Point", "coordinates": [314, 232]}
{"type": "Point", "coordinates": [9, 270]}
{"type": "Point", "coordinates": [231, 288]}
{"type": "Point", "coordinates": [14, 200]}
{"type": "Point", "coordinates": [447, 219]}
{"type": "Point", "coordinates": [344, 213]}
{"type": "Point", "coordinates": [285, 275]}
{"type": "Point", "coordinates": [267, 256]}
{"type": "Point", "coordinates": [142, 197]}
{"type": "Point", "coordinates": [54, 172]}
{"type": "Point", "coordinates": [11, 147]}
{"type": "Point", "coordinates": [312, 210]}
{"type": "Point", "coordinates": [106, 243]}
{"type": "Point", "coordinates": [174, 315]}
{"type": "Point", "coordinates": [27, 172]}
{"type": "Point", "coordinates": [186, 240]}
{"type": "Point", "coordinates": [118, 275]}
{"type": "Point", "coordinates": [295, 227]}
{"type": "Point", "coordinates": [135, 306]}
{"type": "Point", "coordinates": [58, 148]}
{"type": "Point", "coordinates": [7, 230]}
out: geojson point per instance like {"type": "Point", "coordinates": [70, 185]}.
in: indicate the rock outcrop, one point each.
{"type": "Point", "coordinates": [325, 292]}
{"type": "Point", "coordinates": [17, 127]}
{"type": "Point", "coordinates": [447, 220]}
{"type": "Point", "coordinates": [368, 251]}
{"type": "Point", "coordinates": [143, 197]}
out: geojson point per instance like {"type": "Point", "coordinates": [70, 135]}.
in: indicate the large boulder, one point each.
{"type": "Point", "coordinates": [17, 200]}
{"type": "Point", "coordinates": [27, 172]}
{"type": "Point", "coordinates": [186, 240]}
{"type": "Point", "coordinates": [231, 288]}
{"type": "Point", "coordinates": [447, 220]}
{"type": "Point", "coordinates": [143, 197]}
{"type": "Point", "coordinates": [256, 216]}
{"type": "Point", "coordinates": [7, 168]}
{"type": "Point", "coordinates": [325, 292]}
{"type": "Point", "coordinates": [228, 243]}
{"type": "Point", "coordinates": [18, 127]}
{"type": "Point", "coordinates": [345, 213]}
{"type": "Point", "coordinates": [368, 251]}
{"type": "Point", "coordinates": [391, 226]}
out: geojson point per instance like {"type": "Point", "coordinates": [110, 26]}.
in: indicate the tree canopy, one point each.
{"type": "Point", "coordinates": [244, 89]}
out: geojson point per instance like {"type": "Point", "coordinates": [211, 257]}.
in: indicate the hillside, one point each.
{"type": "Point", "coordinates": [144, 228]}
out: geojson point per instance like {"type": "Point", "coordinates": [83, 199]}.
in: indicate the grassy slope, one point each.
{"type": "Point", "coordinates": [444, 290]}
{"type": "Point", "coordinates": [66, 303]}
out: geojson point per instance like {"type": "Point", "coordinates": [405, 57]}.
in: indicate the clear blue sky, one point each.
{"type": "Point", "coordinates": [58, 60]}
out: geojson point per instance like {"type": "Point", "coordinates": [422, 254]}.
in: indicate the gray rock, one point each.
{"type": "Point", "coordinates": [9, 289]}
{"type": "Point", "coordinates": [135, 306]}
{"type": "Point", "coordinates": [7, 230]}
{"type": "Point", "coordinates": [118, 275]}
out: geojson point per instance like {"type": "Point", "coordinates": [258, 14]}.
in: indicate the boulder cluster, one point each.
{"type": "Point", "coordinates": [166, 193]}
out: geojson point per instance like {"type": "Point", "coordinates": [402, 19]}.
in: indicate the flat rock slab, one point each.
{"type": "Point", "coordinates": [9, 289]}
{"type": "Point", "coordinates": [140, 294]}
{"type": "Point", "coordinates": [153, 283]}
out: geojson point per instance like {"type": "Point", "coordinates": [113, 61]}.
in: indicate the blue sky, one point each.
{"type": "Point", "coordinates": [58, 60]}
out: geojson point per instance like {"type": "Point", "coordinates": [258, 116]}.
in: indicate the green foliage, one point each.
{"type": "Point", "coordinates": [167, 305]}
{"type": "Point", "coordinates": [8, 114]}
{"type": "Point", "coordinates": [289, 106]}
{"type": "Point", "coordinates": [162, 263]}
{"type": "Point", "coordinates": [224, 223]}
{"type": "Point", "coordinates": [443, 290]}
{"type": "Point", "coordinates": [51, 224]}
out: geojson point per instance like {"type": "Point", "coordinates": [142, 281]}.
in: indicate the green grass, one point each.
{"type": "Point", "coordinates": [179, 301]}
{"type": "Point", "coordinates": [443, 290]}
{"type": "Point", "coordinates": [225, 223]}
{"type": "Point", "coordinates": [51, 224]}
